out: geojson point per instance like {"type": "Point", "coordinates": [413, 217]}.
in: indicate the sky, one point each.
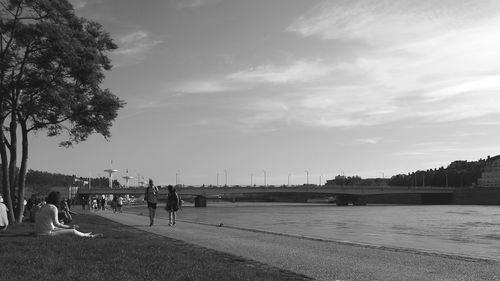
{"type": "Point", "coordinates": [240, 92]}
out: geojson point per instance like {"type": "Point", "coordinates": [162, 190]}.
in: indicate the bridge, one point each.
{"type": "Point", "coordinates": [344, 195]}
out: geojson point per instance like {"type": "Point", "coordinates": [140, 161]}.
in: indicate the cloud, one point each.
{"type": "Point", "coordinates": [425, 60]}
{"type": "Point", "coordinates": [81, 4]}
{"type": "Point", "coordinates": [381, 22]}
{"type": "Point", "coordinates": [136, 43]}
{"type": "Point", "coordinates": [191, 4]}
{"type": "Point", "coordinates": [202, 87]}
{"type": "Point", "coordinates": [78, 4]}
{"type": "Point", "coordinates": [426, 63]}
{"type": "Point", "coordinates": [300, 71]}
{"type": "Point", "coordinates": [370, 140]}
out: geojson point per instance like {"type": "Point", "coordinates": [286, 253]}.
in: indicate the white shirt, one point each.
{"type": "Point", "coordinates": [4, 220]}
{"type": "Point", "coordinates": [46, 219]}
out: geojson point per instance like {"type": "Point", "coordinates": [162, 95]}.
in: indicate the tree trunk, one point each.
{"type": "Point", "coordinates": [13, 160]}
{"type": "Point", "coordinates": [22, 173]}
{"type": "Point", "coordinates": [5, 176]}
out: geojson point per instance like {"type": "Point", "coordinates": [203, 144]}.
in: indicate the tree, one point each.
{"type": "Point", "coordinates": [51, 66]}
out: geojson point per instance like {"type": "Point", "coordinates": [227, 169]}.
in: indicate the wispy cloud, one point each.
{"type": "Point", "coordinates": [301, 71]}
{"type": "Point", "coordinates": [370, 140]}
{"type": "Point", "coordinates": [427, 60]}
{"type": "Point", "coordinates": [136, 43]}
{"type": "Point", "coordinates": [202, 87]}
{"type": "Point", "coordinates": [195, 3]}
{"type": "Point", "coordinates": [388, 21]}
{"type": "Point", "coordinates": [78, 4]}
{"type": "Point", "coordinates": [81, 4]}
{"type": "Point", "coordinates": [424, 61]}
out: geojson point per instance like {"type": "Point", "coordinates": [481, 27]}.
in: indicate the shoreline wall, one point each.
{"type": "Point", "coordinates": [472, 196]}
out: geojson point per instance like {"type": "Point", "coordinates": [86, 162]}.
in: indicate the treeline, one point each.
{"type": "Point", "coordinates": [464, 176]}
{"type": "Point", "coordinates": [457, 174]}
{"type": "Point", "coordinates": [38, 179]}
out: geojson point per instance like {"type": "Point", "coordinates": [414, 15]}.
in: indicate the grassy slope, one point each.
{"type": "Point", "coordinates": [124, 253]}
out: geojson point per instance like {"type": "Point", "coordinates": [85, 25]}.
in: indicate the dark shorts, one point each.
{"type": "Point", "coordinates": [172, 208]}
{"type": "Point", "coordinates": [151, 205]}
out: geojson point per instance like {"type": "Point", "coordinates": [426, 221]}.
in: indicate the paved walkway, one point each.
{"type": "Point", "coordinates": [320, 260]}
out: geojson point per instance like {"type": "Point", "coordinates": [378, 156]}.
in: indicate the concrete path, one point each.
{"type": "Point", "coordinates": [321, 260]}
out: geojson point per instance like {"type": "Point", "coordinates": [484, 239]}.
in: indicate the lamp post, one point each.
{"type": "Point", "coordinates": [307, 175]}
{"type": "Point", "coordinates": [177, 178]}
{"type": "Point", "coordinates": [265, 182]}
{"type": "Point", "coordinates": [217, 178]}
{"type": "Point", "coordinates": [320, 179]}
{"type": "Point", "coordinates": [225, 176]}
{"type": "Point", "coordinates": [251, 179]}
{"type": "Point", "coordinates": [289, 179]}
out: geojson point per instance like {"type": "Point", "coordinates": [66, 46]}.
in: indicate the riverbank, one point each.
{"type": "Point", "coordinates": [124, 253]}
{"type": "Point", "coordinates": [321, 260]}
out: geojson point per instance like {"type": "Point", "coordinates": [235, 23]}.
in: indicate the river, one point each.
{"type": "Point", "coordinates": [465, 230]}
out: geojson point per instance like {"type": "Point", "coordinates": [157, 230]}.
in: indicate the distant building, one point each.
{"type": "Point", "coordinates": [490, 176]}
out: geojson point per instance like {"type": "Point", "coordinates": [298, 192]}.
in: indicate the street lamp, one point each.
{"type": "Point", "coordinates": [177, 178]}
{"type": "Point", "coordinates": [265, 183]}
{"type": "Point", "coordinates": [225, 176]}
{"type": "Point", "coordinates": [289, 179]}
{"type": "Point", "coordinates": [251, 179]}
{"type": "Point", "coordinates": [307, 174]}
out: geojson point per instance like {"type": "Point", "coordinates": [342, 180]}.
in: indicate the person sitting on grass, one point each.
{"type": "Point", "coordinates": [4, 220]}
{"type": "Point", "coordinates": [47, 220]}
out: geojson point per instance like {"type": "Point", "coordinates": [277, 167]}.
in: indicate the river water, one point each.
{"type": "Point", "coordinates": [464, 230]}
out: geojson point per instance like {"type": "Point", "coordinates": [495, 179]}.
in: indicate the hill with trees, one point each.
{"type": "Point", "coordinates": [460, 173]}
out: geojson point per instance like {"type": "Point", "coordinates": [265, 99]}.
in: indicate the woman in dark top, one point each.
{"type": "Point", "coordinates": [173, 204]}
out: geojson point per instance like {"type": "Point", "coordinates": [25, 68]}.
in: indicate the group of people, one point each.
{"type": "Point", "coordinates": [97, 203]}
{"type": "Point", "coordinates": [174, 203]}
{"type": "Point", "coordinates": [52, 217]}
{"type": "Point", "coordinates": [117, 203]}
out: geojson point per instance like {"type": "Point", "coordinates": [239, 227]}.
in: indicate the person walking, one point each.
{"type": "Point", "coordinates": [102, 202]}
{"type": "Point", "coordinates": [114, 203]}
{"type": "Point", "coordinates": [151, 196]}
{"type": "Point", "coordinates": [119, 203]}
{"type": "Point", "coordinates": [173, 204]}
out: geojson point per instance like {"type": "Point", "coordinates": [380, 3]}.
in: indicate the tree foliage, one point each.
{"type": "Point", "coordinates": [51, 66]}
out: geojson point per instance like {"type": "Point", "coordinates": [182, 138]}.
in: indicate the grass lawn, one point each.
{"type": "Point", "coordinates": [125, 253]}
